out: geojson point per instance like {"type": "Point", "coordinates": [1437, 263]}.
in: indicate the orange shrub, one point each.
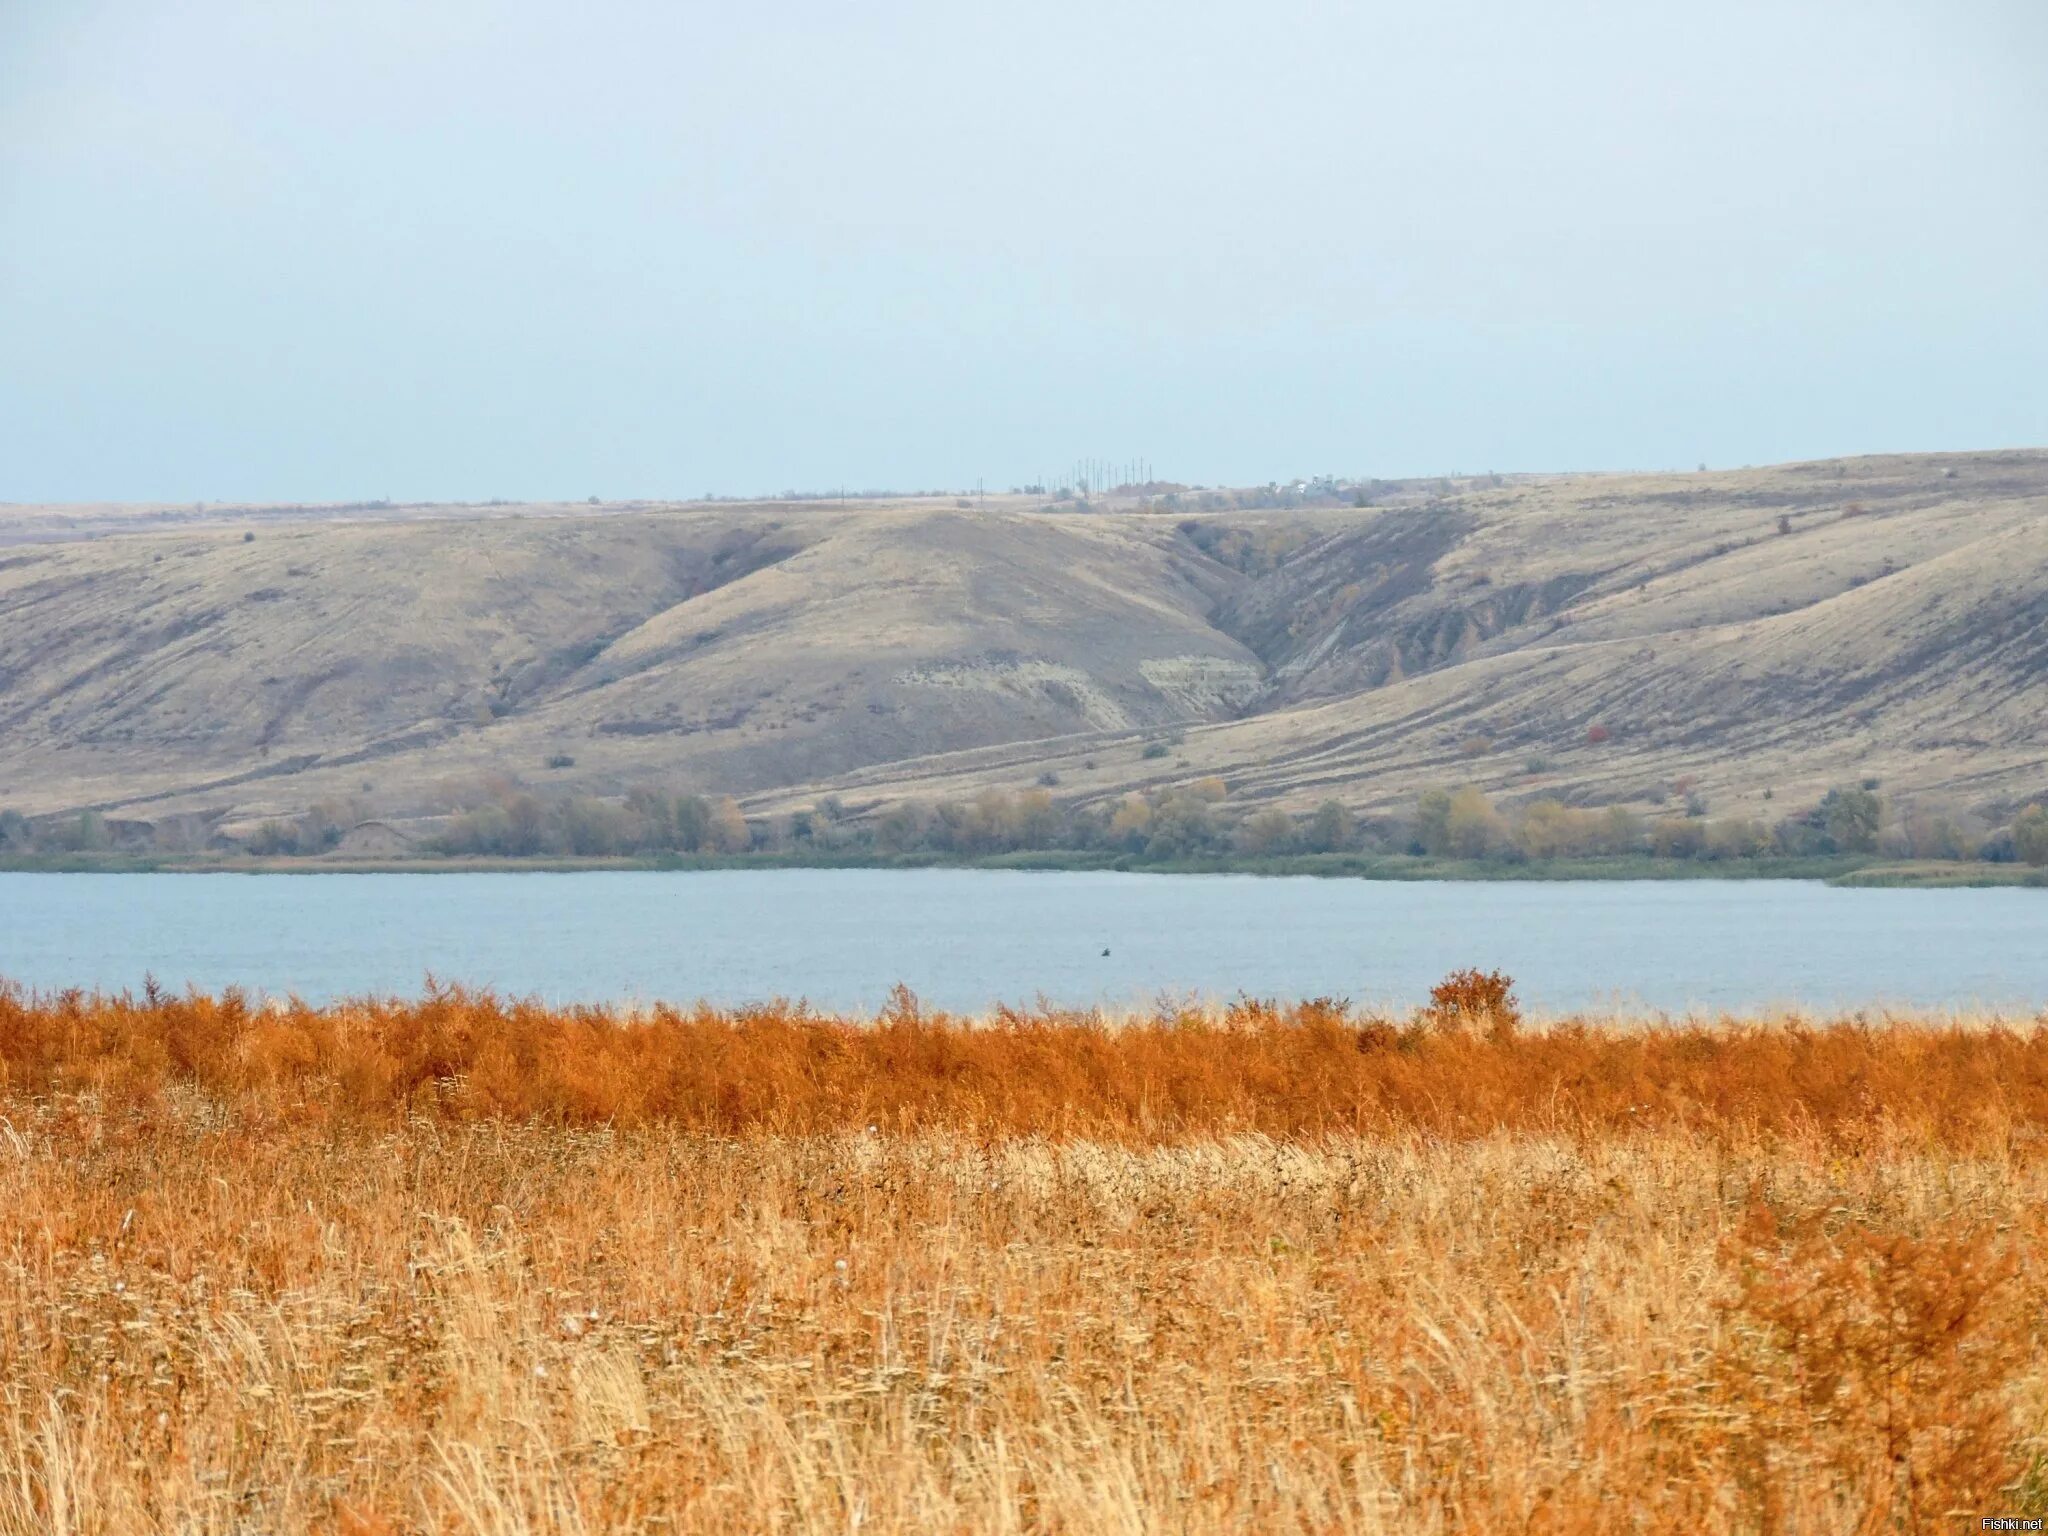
{"type": "Point", "coordinates": [1473, 996]}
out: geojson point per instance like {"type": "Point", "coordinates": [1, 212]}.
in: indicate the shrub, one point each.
{"type": "Point", "coordinates": [1737, 838]}
{"type": "Point", "coordinates": [1596, 734]}
{"type": "Point", "coordinates": [320, 828]}
{"type": "Point", "coordinates": [1677, 837]}
{"type": "Point", "coordinates": [1154, 749]}
{"type": "Point", "coordinates": [272, 837]}
{"type": "Point", "coordinates": [2001, 847]}
{"type": "Point", "coordinates": [1473, 996]}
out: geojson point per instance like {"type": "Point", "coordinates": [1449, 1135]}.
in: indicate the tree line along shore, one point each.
{"type": "Point", "coordinates": [1853, 831]}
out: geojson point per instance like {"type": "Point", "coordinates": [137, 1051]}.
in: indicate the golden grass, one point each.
{"type": "Point", "coordinates": [461, 1266]}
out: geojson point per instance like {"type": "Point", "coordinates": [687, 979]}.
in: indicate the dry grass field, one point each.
{"type": "Point", "coordinates": [455, 1265]}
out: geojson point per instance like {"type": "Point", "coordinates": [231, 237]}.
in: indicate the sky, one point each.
{"type": "Point", "coordinates": [433, 249]}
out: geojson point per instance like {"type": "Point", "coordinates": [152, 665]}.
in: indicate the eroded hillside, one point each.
{"type": "Point", "coordinates": [1591, 636]}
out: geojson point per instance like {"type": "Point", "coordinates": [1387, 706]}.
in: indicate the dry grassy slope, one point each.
{"type": "Point", "coordinates": [130, 667]}
{"type": "Point", "coordinates": [706, 648]}
{"type": "Point", "coordinates": [1899, 628]}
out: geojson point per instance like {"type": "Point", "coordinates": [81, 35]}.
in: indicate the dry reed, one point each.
{"type": "Point", "coordinates": [464, 1265]}
{"type": "Point", "coordinates": [1290, 1071]}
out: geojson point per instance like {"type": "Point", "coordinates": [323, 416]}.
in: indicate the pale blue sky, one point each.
{"type": "Point", "coordinates": [331, 249]}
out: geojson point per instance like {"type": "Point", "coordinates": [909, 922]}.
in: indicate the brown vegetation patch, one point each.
{"type": "Point", "coordinates": [1459, 1068]}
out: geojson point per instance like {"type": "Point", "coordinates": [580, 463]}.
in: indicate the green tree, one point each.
{"type": "Point", "coordinates": [691, 818]}
{"type": "Point", "coordinates": [653, 818]}
{"type": "Point", "coordinates": [1550, 829]}
{"type": "Point", "coordinates": [1036, 820]}
{"type": "Point", "coordinates": [321, 828]}
{"type": "Point", "coordinates": [87, 834]}
{"type": "Point", "coordinates": [901, 828]}
{"type": "Point", "coordinates": [1131, 823]}
{"type": "Point", "coordinates": [1677, 837]}
{"type": "Point", "coordinates": [1470, 825]}
{"type": "Point", "coordinates": [593, 828]}
{"type": "Point", "coordinates": [1433, 822]}
{"type": "Point", "coordinates": [729, 830]}
{"type": "Point", "coordinates": [1180, 826]}
{"type": "Point", "coordinates": [2030, 835]}
{"type": "Point", "coordinates": [1851, 817]}
{"type": "Point", "coordinates": [1620, 831]}
{"type": "Point", "coordinates": [1270, 831]}
{"type": "Point", "coordinates": [1737, 837]}
{"type": "Point", "coordinates": [526, 822]}
{"type": "Point", "coordinates": [1329, 829]}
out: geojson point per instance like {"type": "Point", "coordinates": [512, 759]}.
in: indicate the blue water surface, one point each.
{"type": "Point", "coordinates": [967, 939]}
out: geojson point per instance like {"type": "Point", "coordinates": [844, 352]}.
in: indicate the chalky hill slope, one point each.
{"type": "Point", "coordinates": [1590, 636]}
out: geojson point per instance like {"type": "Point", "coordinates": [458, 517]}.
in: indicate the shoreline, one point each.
{"type": "Point", "coordinates": [1850, 872]}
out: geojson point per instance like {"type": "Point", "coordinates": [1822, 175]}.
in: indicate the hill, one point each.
{"type": "Point", "coordinates": [1753, 633]}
